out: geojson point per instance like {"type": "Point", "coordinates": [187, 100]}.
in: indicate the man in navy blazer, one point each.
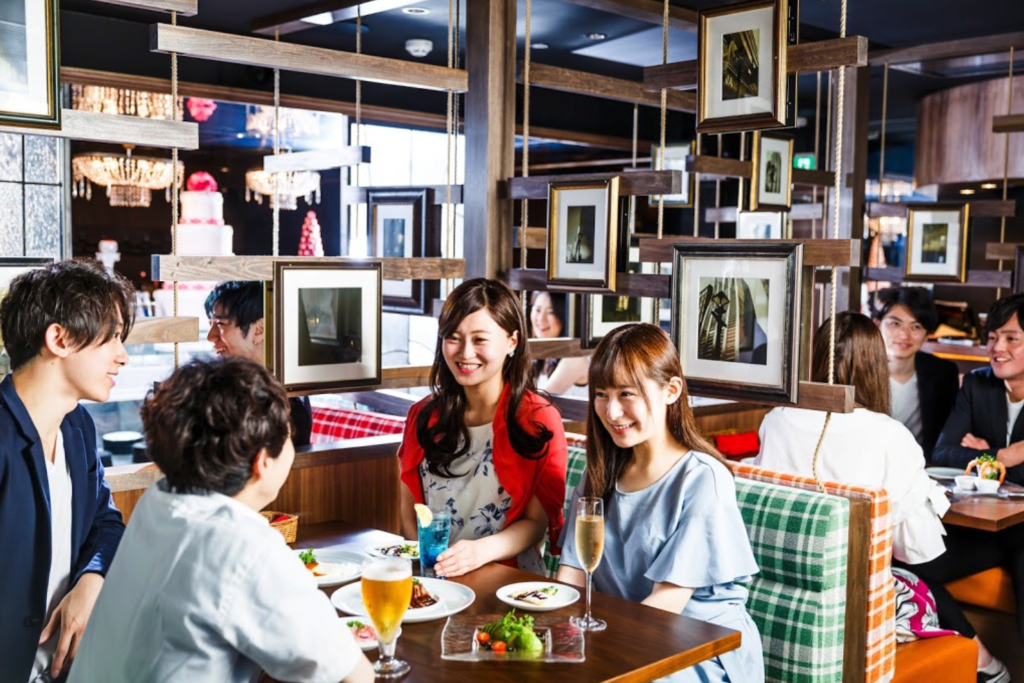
{"type": "Point", "coordinates": [63, 327]}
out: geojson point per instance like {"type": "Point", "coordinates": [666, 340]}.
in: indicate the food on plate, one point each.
{"type": "Point", "coordinates": [988, 468]}
{"type": "Point", "coordinates": [308, 558]}
{"type": "Point", "coordinates": [363, 633]}
{"type": "Point", "coordinates": [421, 597]}
{"type": "Point", "coordinates": [408, 551]}
{"type": "Point", "coordinates": [318, 568]}
{"type": "Point", "coordinates": [537, 597]}
{"type": "Point", "coordinates": [510, 634]}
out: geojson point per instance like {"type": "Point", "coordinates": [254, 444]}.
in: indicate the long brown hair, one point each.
{"type": "Point", "coordinates": [447, 438]}
{"type": "Point", "coordinates": [860, 359]}
{"type": "Point", "coordinates": [626, 357]}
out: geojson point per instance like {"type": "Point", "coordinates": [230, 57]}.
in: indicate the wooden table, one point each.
{"type": "Point", "coordinates": [984, 513]}
{"type": "Point", "coordinates": [640, 644]}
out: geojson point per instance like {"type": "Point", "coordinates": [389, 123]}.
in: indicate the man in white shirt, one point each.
{"type": "Point", "coordinates": [203, 588]}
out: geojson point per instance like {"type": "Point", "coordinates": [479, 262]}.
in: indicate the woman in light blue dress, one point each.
{"type": "Point", "coordinates": [674, 538]}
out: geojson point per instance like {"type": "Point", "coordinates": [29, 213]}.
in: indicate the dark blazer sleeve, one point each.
{"type": "Point", "coordinates": [961, 421]}
{"type": "Point", "coordinates": [102, 537]}
{"type": "Point", "coordinates": [938, 385]}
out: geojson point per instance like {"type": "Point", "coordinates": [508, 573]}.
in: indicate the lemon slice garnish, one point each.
{"type": "Point", "coordinates": [423, 514]}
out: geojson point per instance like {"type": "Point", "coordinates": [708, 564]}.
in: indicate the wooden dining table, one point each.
{"type": "Point", "coordinates": [986, 513]}
{"type": "Point", "coordinates": [640, 644]}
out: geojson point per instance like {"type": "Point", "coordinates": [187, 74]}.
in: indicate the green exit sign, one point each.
{"type": "Point", "coordinates": [804, 161]}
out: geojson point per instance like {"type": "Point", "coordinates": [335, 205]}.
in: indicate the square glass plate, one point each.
{"type": "Point", "coordinates": [563, 642]}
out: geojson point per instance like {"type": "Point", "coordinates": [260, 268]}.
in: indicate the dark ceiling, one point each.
{"type": "Point", "coordinates": [112, 38]}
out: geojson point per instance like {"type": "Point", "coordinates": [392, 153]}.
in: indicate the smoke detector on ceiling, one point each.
{"type": "Point", "coordinates": [419, 47]}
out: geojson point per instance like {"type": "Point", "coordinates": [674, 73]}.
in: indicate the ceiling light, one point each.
{"type": "Point", "coordinates": [322, 19]}
{"type": "Point", "coordinates": [289, 187]}
{"type": "Point", "coordinates": [967, 190]}
{"type": "Point", "coordinates": [988, 186]}
{"type": "Point", "coordinates": [415, 11]}
{"type": "Point", "coordinates": [596, 36]}
{"type": "Point", "coordinates": [539, 46]}
{"type": "Point", "coordinates": [129, 179]}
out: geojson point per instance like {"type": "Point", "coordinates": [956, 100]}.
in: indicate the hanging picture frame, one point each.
{"type": "Point", "coordinates": [602, 313]}
{"type": "Point", "coordinates": [399, 225]}
{"type": "Point", "coordinates": [675, 160]}
{"type": "Point", "coordinates": [30, 63]}
{"type": "Point", "coordinates": [771, 182]}
{"type": "Point", "coordinates": [327, 325]}
{"type": "Point", "coordinates": [736, 315]}
{"type": "Point", "coordinates": [741, 57]}
{"type": "Point", "coordinates": [937, 243]}
{"type": "Point", "coordinates": [583, 235]}
{"type": "Point", "coordinates": [762, 225]}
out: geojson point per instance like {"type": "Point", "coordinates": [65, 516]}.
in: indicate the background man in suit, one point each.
{"type": "Point", "coordinates": [923, 387]}
{"type": "Point", "coordinates": [64, 328]}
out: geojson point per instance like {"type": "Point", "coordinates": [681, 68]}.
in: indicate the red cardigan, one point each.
{"type": "Point", "coordinates": [522, 477]}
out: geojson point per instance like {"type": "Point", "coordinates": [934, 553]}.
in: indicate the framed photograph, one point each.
{"type": "Point", "coordinates": [602, 313]}
{"type": "Point", "coordinates": [936, 243]}
{"type": "Point", "coordinates": [762, 225]}
{"type": "Point", "coordinates": [771, 184]}
{"type": "Point", "coordinates": [736, 319]}
{"type": "Point", "coordinates": [12, 267]}
{"type": "Point", "coordinates": [583, 235]}
{"type": "Point", "coordinates": [399, 226]}
{"type": "Point", "coordinates": [742, 63]}
{"type": "Point", "coordinates": [327, 325]}
{"type": "Point", "coordinates": [675, 160]}
{"type": "Point", "coordinates": [29, 63]}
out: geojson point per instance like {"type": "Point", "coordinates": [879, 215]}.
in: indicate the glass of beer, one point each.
{"type": "Point", "coordinates": [387, 590]}
{"type": "Point", "coordinates": [589, 549]}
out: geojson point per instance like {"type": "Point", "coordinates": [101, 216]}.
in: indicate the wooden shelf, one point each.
{"type": "Point", "coordinates": [827, 253]}
{"type": "Point", "coordinates": [719, 166]}
{"type": "Point", "coordinates": [835, 398]}
{"type": "Point", "coordinates": [806, 57]}
{"type": "Point", "coordinates": [316, 160]}
{"type": "Point", "coordinates": [352, 194]}
{"type": "Point", "coordinates": [560, 347]}
{"type": "Point", "coordinates": [798, 212]}
{"type": "Point", "coordinates": [184, 8]}
{"type": "Point", "coordinates": [405, 376]}
{"type": "Point", "coordinates": [269, 54]}
{"type": "Point", "coordinates": [802, 176]}
{"type": "Point", "coordinates": [627, 284]}
{"type": "Point", "coordinates": [90, 126]}
{"type": "Point", "coordinates": [605, 87]}
{"type": "Point", "coordinates": [639, 183]}
{"type": "Point", "coordinates": [164, 330]}
{"type": "Point", "coordinates": [979, 209]}
{"type": "Point", "coordinates": [1011, 123]}
{"type": "Point", "coordinates": [956, 351]}
{"type": "Point", "coordinates": [975, 278]}
{"type": "Point", "coordinates": [261, 268]}
{"type": "Point", "coordinates": [1002, 251]}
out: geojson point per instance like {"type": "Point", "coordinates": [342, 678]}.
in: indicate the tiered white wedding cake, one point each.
{"type": "Point", "coordinates": [201, 228]}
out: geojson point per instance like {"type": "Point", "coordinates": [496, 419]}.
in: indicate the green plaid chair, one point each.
{"type": "Point", "coordinates": [798, 599]}
{"type": "Point", "coordinates": [576, 466]}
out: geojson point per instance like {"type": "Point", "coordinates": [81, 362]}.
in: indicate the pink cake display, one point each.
{"type": "Point", "coordinates": [201, 229]}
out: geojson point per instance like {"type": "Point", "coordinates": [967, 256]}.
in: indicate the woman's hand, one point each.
{"type": "Point", "coordinates": [461, 558]}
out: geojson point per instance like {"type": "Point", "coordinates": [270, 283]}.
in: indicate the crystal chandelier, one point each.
{"type": "Point", "coordinates": [290, 186]}
{"type": "Point", "coordinates": [129, 179]}
{"type": "Point", "coordinates": [122, 102]}
{"type": "Point", "coordinates": [259, 121]}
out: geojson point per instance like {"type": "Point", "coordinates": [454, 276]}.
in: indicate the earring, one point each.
{"type": "Point", "coordinates": [512, 352]}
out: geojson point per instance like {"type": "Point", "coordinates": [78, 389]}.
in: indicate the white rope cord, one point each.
{"type": "Point", "coordinates": [448, 140]}
{"type": "Point", "coordinates": [817, 141]}
{"type": "Point", "coordinates": [743, 185]}
{"type": "Point", "coordinates": [525, 207]}
{"type": "Point", "coordinates": [696, 192]}
{"type": "Point", "coordinates": [175, 187]}
{"type": "Point", "coordinates": [276, 208]}
{"type": "Point", "coordinates": [359, 82]}
{"type": "Point", "coordinates": [636, 128]}
{"type": "Point", "coordinates": [718, 187]}
{"type": "Point", "coordinates": [664, 112]}
{"type": "Point", "coordinates": [840, 108]}
{"type": "Point", "coordinates": [1006, 166]}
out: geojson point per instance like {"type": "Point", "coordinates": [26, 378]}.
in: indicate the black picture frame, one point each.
{"type": "Point", "coordinates": [425, 242]}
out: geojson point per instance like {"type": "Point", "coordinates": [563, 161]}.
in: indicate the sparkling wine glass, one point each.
{"type": "Point", "coordinates": [589, 549]}
{"type": "Point", "coordinates": [387, 590]}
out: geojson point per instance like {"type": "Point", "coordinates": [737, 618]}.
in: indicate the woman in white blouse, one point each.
{"type": "Point", "coordinates": [869, 448]}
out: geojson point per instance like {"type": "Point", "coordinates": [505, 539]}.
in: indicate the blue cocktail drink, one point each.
{"type": "Point", "coordinates": [433, 539]}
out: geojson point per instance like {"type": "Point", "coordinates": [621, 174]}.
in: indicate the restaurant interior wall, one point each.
{"type": "Point", "coordinates": [34, 220]}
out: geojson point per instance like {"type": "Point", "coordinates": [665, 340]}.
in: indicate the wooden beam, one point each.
{"type": "Point", "coordinates": [719, 166]}
{"type": "Point", "coordinates": [164, 330]}
{"type": "Point", "coordinates": [405, 376]}
{"type": "Point", "coordinates": [317, 160]}
{"type": "Point", "coordinates": [605, 87]}
{"type": "Point", "coordinates": [650, 11]}
{"type": "Point", "coordinates": [802, 176]}
{"type": "Point", "coordinates": [980, 209]}
{"type": "Point", "coordinates": [1013, 123]}
{"type": "Point", "coordinates": [798, 212]}
{"type": "Point", "coordinates": [261, 268]}
{"type": "Point", "coordinates": [805, 57]}
{"type": "Point", "coordinates": [560, 347]}
{"type": "Point", "coordinates": [536, 238]}
{"type": "Point", "coordinates": [638, 183]}
{"type": "Point", "coordinates": [184, 8]}
{"type": "Point", "coordinates": [352, 194]}
{"type": "Point", "coordinates": [621, 162]}
{"type": "Point", "coordinates": [975, 278]}
{"type": "Point", "coordinates": [292, 20]}
{"type": "Point", "coordinates": [584, 139]}
{"type": "Point", "coordinates": [1002, 251]}
{"type": "Point", "coordinates": [826, 252]}
{"type": "Point", "coordinates": [968, 47]}
{"type": "Point", "coordinates": [224, 47]}
{"type": "Point", "coordinates": [627, 284]}
{"type": "Point", "coordinates": [90, 126]}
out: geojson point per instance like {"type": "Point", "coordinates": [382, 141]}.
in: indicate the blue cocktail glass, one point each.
{"type": "Point", "coordinates": [433, 540]}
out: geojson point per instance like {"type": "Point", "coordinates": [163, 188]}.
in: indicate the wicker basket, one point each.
{"type": "Point", "coordinates": [287, 527]}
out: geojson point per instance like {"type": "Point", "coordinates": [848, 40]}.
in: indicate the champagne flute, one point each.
{"type": "Point", "coordinates": [589, 549]}
{"type": "Point", "coordinates": [387, 590]}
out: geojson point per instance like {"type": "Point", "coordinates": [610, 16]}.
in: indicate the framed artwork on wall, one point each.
{"type": "Point", "coordinates": [29, 63]}
{"type": "Point", "coordinates": [399, 226]}
{"type": "Point", "coordinates": [937, 243]}
{"type": "Point", "coordinates": [736, 314]}
{"type": "Point", "coordinates": [675, 160]}
{"type": "Point", "coordinates": [327, 325]}
{"type": "Point", "coordinates": [771, 185]}
{"type": "Point", "coordinates": [583, 235]}
{"type": "Point", "coordinates": [742, 64]}
{"type": "Point", "coordinates": [762, 225]}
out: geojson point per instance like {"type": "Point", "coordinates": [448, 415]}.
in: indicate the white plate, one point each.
{"type": "Point", "coordinates": [451, 598]}
{"type": "Point", "coordinates": [565, 596]}
{"type": "Point", "coordinates": [378, 550]}
{"type": "Point", "coordinates": [348, 564]}
{"type": "Point", "coordinates": [365, 645]}
{"type": "Point", "coordinates": [943, 472]}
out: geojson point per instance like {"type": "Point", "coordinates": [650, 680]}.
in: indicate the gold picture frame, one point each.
{"type": "Point", "coordinates": [761, 195]}
{"type": "Point", "coordinates": [589, 263]}
{"type": "Point", "coordinates": [30, 50]}
{"type": "Point", "coordinates": [929, 257]}
{"type": "Point", "coordinates": [675, 152]}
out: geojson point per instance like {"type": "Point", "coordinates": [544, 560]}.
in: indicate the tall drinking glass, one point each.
{"type": "Point", "coordinates": [433, 537]}
{"type": "Point", "coordinates": [589, 549]}
{"type": "Point", "coordinates": [387, 590]}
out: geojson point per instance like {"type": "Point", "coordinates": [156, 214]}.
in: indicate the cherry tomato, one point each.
{"type": "Point", "coordinates": [483, 637]}
{"type": "Point", "coordinates": [498, 647]}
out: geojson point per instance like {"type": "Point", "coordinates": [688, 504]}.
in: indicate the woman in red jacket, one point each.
{"type": "Point", "coordinates": [484, 445]}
